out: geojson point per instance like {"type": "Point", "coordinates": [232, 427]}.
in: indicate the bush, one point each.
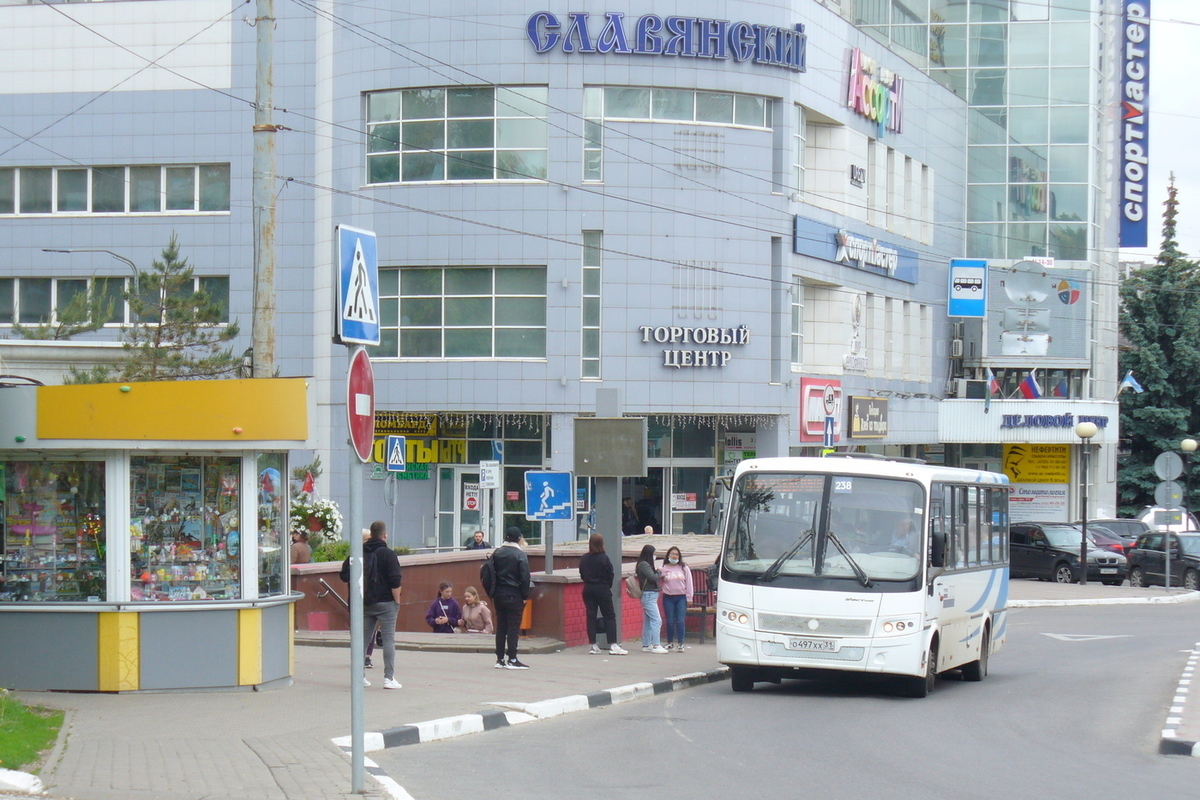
{"type": "Point", "coordinates": [339, 550]}
{"type": "Point", "coordinates": [336, 550]}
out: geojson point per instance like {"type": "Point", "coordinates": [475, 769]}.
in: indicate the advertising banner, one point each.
{"type": "Point", "coordinates": [1134, 135]}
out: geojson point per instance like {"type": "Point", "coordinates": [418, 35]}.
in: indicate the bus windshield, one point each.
{"type": "Point", "coordinates": [856, 527]}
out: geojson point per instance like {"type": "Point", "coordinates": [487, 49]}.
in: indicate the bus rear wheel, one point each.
{"type": "Point", "coordinates": [741, 679]}
{"type": "Point", "coordinates": [922, 686]}
{"type": "Point", "coordinates": [977, 670]}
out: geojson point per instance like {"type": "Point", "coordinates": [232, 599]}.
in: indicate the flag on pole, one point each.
{"type": "Point", "coordinates": [993, 384]}
{"type": "Point", "coordinates": [1029, 387]}
{"type": "Point", "coordinates": [310, 484]}
{"type": "Point", "coordinates": [1130, 382]}
{"type": "Point", "coordinates": [1060, 389]}
{"type": "Point", "coordinates": [993, 387]}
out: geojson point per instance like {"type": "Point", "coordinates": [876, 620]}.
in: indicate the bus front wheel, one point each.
{"type": "Point", "coordinates": [977, 670]}
{"type": "Point", "coordinates": [922, 686]}
{"type": "Point", "coordinates": [741, 679]}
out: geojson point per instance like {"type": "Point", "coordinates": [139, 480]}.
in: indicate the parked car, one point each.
{"type": "Point", "coordinates": [1049, 551]}
{"type": "Point", "coordinates": [1147, 560]}
{"type": "Point", "coordinates": [1129, 529]}
{"type": "Point", "coordinates": [1107, 540]}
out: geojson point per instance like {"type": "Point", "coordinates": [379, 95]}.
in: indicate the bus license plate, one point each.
{"type": "Point", "coordinates": [1108, 571]}
{"type": "Point", "coordinates": [813, 645]}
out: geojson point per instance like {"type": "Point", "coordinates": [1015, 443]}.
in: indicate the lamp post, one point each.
{"type": "Point", "coordinates": [132, 266]}
{"type": "Point", "coordinates": [1085, 431]}
{"type": "Point", "coordinates": [1187, 446]}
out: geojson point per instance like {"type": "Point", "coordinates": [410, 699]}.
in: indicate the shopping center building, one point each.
{"type": "Point", "coordinates": [743, 223]}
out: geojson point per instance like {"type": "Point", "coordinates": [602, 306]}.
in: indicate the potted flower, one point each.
{"type": "Point", "coordinates": [320, 519]}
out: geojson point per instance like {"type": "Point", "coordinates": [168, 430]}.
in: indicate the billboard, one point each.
{"type": "Point", "coordinates": [1134, 134]}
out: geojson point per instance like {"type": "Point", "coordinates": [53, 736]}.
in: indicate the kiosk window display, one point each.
{"type": "Point", "coordinates": [185, 531]}
{"type": "Point", "coordinates": [53, 530]}
{"type": "Point", "coordinates": [272, 524]}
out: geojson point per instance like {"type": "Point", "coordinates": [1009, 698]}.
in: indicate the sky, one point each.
{"type": "Point", "coordinates": [1174, 121]}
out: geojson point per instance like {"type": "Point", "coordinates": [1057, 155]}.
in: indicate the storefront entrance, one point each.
{"type": "Point", "coordinates": [463, 507]}
{"type": "Point", "coordinates": [675, 494]}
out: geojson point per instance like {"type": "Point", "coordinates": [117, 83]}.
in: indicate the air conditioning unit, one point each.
{"type": "Point", "coordinates": [958, 330]}
{"type": "Point", "coordinates": [967, 389]}
{"type": "Point", "coordinates": [956, 348]}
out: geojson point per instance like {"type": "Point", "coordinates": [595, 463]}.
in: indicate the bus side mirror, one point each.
{"type": "Point", "coordinates": [937, 550]}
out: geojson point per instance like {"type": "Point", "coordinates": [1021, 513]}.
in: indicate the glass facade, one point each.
{"type": "Point", "coordinates": [1029, 70]}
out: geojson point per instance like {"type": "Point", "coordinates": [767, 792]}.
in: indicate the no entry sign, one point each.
{"type": "Point", "coordinates": [360, 404]}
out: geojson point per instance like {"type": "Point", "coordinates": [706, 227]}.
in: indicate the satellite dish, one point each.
{"type": "Point", "coordinates": [1027, 283]}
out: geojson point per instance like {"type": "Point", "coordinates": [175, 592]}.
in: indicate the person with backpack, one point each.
{"type": "Point", "coordinates": [381, 597]}
{"type": "Point", "coordinates": [505, 577]}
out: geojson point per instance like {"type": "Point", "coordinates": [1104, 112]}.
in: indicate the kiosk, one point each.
{"type": "Point", "coordinates": [143, 534]}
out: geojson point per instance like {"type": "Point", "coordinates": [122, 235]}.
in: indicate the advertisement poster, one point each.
{"type": "Point", "coordinates": [1040, 502]}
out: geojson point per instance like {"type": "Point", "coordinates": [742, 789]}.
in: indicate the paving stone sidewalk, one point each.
{"type": "Point", "coordinates": [276, 744]}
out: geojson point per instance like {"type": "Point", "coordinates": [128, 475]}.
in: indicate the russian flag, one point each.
{"type": "Point", "coordinates": [1060, 388]}
{"type": "Point", "coordinates": [1029, 388]}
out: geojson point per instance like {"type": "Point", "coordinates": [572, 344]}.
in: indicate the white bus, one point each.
{"type": "Point", "coordinates": [861, 564]}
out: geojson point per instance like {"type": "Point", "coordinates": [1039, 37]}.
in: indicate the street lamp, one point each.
{"type": "Point", "coordinates": [1085, 431]}
{"type": "Point", "coordinates": [132, 266]}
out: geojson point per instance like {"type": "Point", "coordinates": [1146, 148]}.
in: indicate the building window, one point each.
{"type": "Point", "coordinates": [43, 301]}
{"type": "Point", "coordinates": [147, 189]}
{"type": "Point", "coordinates": [644, 104]}
{"type": "Point", "coordinates": [797, 334]}
{"type": "Point", "coordinates": [462, 312]}
{"type": "Point", "coordinates": [798, 140]}
{"type": "Point", "coordinates": [457, 133]}
{"type": "Point", "coordinates": [590, 303]}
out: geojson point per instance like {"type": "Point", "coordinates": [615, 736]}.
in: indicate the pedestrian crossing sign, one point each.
{"type": "Point", "coordinates": [394, 454]}
{"type": "Point", "coordinates": [357, 287]}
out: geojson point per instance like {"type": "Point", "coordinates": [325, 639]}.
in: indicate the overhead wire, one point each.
{"type": "Point", "coordinates": [784, 231]}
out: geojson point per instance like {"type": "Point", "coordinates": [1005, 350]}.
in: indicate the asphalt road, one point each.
{"type": "Point", "coordinates": [1072, 708]}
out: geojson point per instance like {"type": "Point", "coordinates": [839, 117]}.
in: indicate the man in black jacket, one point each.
{"type": "Point", "coordinates": [381, 597]}
{"type": "Point", "coordinates": [509, 596]}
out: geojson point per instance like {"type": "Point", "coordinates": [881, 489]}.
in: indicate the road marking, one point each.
{"type": "Point", "coordinates": [1084, 637]}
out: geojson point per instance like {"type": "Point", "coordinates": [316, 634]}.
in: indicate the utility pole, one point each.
{"type": "Point", "coordinates": [263, 330]}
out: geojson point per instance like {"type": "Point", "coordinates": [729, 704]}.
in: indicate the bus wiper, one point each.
{"type": "Point", "coordinates": [858, 571]}
{"type": "Point", "coordinates": [773, 570]}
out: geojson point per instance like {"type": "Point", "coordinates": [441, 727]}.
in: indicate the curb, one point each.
{"type": "Point", "coordinates": [509, 714]}
{"type": "Point", "coordinates": [1170, 744]}
{"type": "Point", "coordinates": [1190, 597]}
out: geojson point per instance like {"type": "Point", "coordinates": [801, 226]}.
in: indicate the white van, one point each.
{"type": "Point", "coordinates": [1168, 519]}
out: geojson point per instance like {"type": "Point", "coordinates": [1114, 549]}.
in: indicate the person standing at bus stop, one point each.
{"type": "Point", "coordinates": [677, 592]}
{"type": "Point", "coordinates": [596, 572]}
{"type": "Point", "coordinates": [649, 578]}
{"type": "Point", "coordinates": [509, 593]}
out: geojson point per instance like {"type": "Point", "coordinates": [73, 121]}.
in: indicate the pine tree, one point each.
{"type": "Point", "coordinates": [176, 333]}
{"type": "Point", "coordinates": [86, 312]}
{"type": "Point", "coordinates": [1161, 320]}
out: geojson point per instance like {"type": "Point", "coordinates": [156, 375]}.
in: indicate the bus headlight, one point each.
{"type": "Point", "coordinates": [900, 625]}
{"type": "Point", "coordinates": [734, 617]}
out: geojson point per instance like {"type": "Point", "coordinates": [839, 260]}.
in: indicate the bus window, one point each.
{"type": "Point", "coordinates": [958, 532]}
{"type": "Point", "coordinates": [972, 526]}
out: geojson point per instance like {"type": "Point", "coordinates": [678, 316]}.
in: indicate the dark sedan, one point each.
{"type": "Point", "coordinates": [1148, 560]}
{"type": "Point", "coordinates": [1050, 551]}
